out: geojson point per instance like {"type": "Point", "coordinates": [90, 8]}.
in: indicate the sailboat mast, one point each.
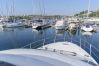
{"type": "Point", "coordinates": [13, 10]}
{"type": "Point", "coordinates": [40, 7]}
{"type": "Point", "coordinates": [43, 5]}
{"type": "Point", "coordinates": [89, 2]}
{"type": "Point", "coordinates": [1, 9]}
{"type": "Point", "coordinates": [7, 10]}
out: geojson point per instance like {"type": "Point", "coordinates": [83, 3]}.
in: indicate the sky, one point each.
{"type": "Point", "coordinates": [48, 7]}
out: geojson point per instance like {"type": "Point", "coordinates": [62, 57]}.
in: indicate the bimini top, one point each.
{"type": "Point", "coordinates": [55, 54]}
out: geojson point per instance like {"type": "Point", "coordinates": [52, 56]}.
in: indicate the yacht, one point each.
{"type": "Point", "coordinates": [40, 24]}
{"type": "Point", "coordinates": [60, 24]}
{"type": "Point", "coordinates": [13, 24]}
{"type": "Point", "coordinates": [54, 54]}
{"type": "Point", "coordinates": [87, 27]}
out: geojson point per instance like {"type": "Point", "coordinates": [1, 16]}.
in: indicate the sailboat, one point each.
{"type": "Point", "coordinates": [87, 27]}
{"type": "Point", "coordinates": [41, 23]}
{"type": "Point", "coordinates": [12, 23]}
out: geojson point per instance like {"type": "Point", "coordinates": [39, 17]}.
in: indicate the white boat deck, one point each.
{"type": "Point", "coordinates": [68, 47]}
{"type": "Point", "coordinates": [40, 57]}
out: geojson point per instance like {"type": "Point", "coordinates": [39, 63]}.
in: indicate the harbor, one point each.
{"type": "Point", "coordinates": [50, 35]}
{"type": "Point", "coordinates": [44, 33]}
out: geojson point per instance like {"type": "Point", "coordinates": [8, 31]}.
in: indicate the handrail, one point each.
{"type": "Point", "coordinates": [95, 55]}
{"type": "Point", "coordinates": [31, 43]}
{"type": "Point", "coordinates": [89, 48]}
{"type": "Point", "coordinates": [35, 42]}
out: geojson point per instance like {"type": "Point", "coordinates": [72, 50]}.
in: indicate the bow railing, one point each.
{"type": "Point", "coordinates": [88, 47]}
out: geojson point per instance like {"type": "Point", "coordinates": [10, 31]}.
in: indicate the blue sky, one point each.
{"type": "Point", "coordinates": [51, 7]}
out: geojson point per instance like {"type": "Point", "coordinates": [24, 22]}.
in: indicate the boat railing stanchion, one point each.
{"type": "Point", "coordinates": [90, 49]}
{"type": "Point", "coordinates": [43, 42]}
{"type": "Point", "coordinates": [64, 37]}
{"type": "Point", "coordinates": [30, 46]}
{"type": "Point", "coordinates": [80, 42]}
{"type": "Point", "coordinates": [84, 44]}
{"type": "Point", "coordinates": [71, 39]}
{"type": "Point", "coordinates": [55, 39]}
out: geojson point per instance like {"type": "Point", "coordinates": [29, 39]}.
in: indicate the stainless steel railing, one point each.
{"type": "Point", "coordinates": [91, 49]}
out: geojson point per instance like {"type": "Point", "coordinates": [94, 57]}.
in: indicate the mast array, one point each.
{"type": "Point", "coordinates": [89, 2]}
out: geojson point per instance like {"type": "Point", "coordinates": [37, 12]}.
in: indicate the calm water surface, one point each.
{"type": "Point", "coordinates": [17, 37]}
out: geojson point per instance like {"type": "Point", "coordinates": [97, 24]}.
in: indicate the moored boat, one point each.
{"type": "Point", "coordinates": [13, 24]}
{"type": "Point", "coordinates": [87, 28]}
{"type": "Point", "coordinates": [40, 24]}
{"type": "Point", "coordinates": [60, 24]}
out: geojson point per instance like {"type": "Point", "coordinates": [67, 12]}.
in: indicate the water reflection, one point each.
{"type": "Point", "coordinates": [11, 29]}
{"type": "Point", "coordinates": [87, 33]}
{"type": "Point", "coordinates": [72, 33]}
{"type": "Point", "coordinates": [1, 29]}
{"type": "Point", "coordinates": [18, 37]}
{"type": "Point", "coordinates": [8, 29]}
{"type": "Point", "coordinates": [60, 32]}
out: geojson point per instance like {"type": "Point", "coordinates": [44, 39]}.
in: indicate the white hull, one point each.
{"type": "Point", "coordinates": [87, 29]}
{"type": "Point", "coordinates": [41, 24]}
{"type": "Point", "coordinates": [59, 27]}
{"type": "Point", "coordinates": [60, 24]}
{"type": "Point", "coordinates": [11, 25]}
{"type": "Point", "coordinates": [34, 27]}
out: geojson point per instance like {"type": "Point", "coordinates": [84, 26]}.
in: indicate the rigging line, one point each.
{"type": "Point", "coordinates": [1, 14]}
{"type": "Point", "coordinates": [13, 7]}
{"type": "Point", "coordinates": [0, 10]}
{"type": "Point", "coordinates": [89, 2]}
{"type": "Point", "coordinates": [7, 9]}
{"type": "Point", "coordinates": [12, 10]}
{"type": "Point", "coordinates": [33, 3]}
{"type": "Point", "coordinates": [40, 7]}
{"type": "Point", "coordinates": [43, 6]}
